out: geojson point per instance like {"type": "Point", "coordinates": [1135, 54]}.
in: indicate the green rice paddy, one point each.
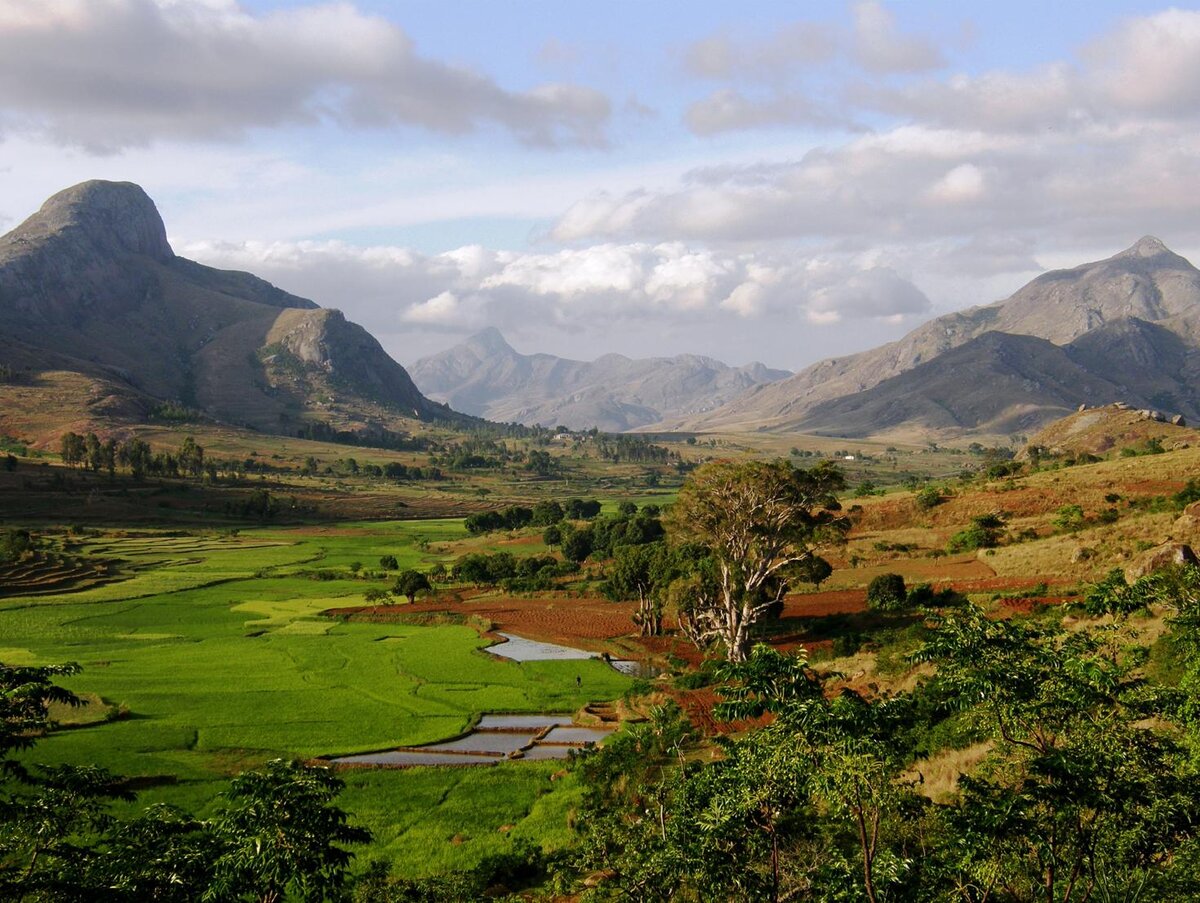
{"type": "Point", "coordinates": [214, 651]}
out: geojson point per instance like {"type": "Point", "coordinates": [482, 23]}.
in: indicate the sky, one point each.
{"type": "Point", "coordinates": [772, 181]}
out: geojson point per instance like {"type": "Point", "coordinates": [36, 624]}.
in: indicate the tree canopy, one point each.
{"type": "Point", "coordinates": [763, 522]}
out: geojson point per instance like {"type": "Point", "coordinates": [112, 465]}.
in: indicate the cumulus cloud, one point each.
{"type": "Point", "coordinates": [797, 44]}
{"type": "Point", "coordinates": [107, 74]}
{"type": "Point", "coordinates": [1088, 152]}
{"type": "Point", "coordinates": [461, 290]}
{"type": "Point", "coordinates": [879, 46]}
{"type": "Point", "coordinates": [728, 109]}
{"type": "Point", "coordinates": [877, 292]}
{"type": "Point", "coordinates": [782, 63]}
{"type": "Point", "coordinates": [1151, 64]}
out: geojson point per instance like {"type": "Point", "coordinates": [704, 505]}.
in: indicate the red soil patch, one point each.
{"type": "Point", "coordinates": [557, 618]}
{"type": "Point", "coordinates": [833, 602]}
{"type": "Point", "coordinates": [1153, 487]}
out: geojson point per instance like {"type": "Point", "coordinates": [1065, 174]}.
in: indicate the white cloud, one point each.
{"type": "Point", "coordinates": [445, 311]}
{"type": "Point", "coordinates": [669, 283]}
{"type": "Point", "coordinates": [728, 109]}
{"type": "Point", "coordinates": [1151, 64]}
{"type": "Point", "coordinates": [877, 292]}
{"type": "Point", "coordinates": [963, 184]}
{"type": "Point", "coordinates": [880, 47]}
{"type": "Point", "coordinates": [791, 46]}
{"type": "Point", "coordinates": [107, 74]}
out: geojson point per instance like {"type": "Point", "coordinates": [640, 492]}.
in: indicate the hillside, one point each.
{"type": "Point", "coordinates": [486, 377]}
{"type": "Point", "coordinates": [91, 293]}
{"type": "Point", "coordinates": [1102, 430]}
{"type": "Point", "coordinates": [1146, 300]}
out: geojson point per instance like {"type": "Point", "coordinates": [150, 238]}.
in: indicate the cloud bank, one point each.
{"type": "Point", "coordinates": [599, 286]}
{"type": "Point", "coordinates": [108, 74]}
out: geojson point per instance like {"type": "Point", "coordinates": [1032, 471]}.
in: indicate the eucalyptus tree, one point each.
{"type": "Point", "coordinates": [764, 523]}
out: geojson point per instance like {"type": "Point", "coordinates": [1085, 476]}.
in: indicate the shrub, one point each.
{"type": "Point", "coordinates": [1069, 517]}
{"type": "Point", "coordinates": [925, 596]}
{"type": "Point", "coordinates": [929, 497]}
{"type": "Point", "coordinates": [984, 533]}
{"type": "Point", "coordinates": [886, 593]}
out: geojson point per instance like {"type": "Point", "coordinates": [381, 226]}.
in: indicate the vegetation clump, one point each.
{"type": "Point", "coordinates": [887, 592]}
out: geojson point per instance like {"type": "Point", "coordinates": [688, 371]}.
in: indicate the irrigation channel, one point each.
{"type": "Point", "coordinates": [500, 737]}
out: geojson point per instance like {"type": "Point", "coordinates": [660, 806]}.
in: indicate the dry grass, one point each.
{"type": "Point", "coordinates": [937, 777]}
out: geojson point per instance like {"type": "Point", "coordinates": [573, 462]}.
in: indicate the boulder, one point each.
{"type": "Point", "coordinates": [1179, 420]}
{"type": "Point", "coordinates": [1186, 527]}
{"type": "Point", "coordinates": [1159, 557]}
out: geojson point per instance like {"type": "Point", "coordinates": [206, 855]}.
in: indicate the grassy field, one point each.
{"type": "Point", "coordinates": [213, 656]}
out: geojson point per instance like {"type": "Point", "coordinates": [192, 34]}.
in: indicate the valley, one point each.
{"type": "Point", "coordinates": [268, 549]}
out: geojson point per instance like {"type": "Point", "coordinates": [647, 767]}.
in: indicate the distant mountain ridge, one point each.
{"type": "Point", "coordinates": [1128, 325]}
{"type": "Point", "coordinates": [486, 377]}
{"type": "Point", "coordinates": [90, 285]}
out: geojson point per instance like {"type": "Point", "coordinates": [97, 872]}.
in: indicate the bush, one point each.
{"type": "Point", "coordinates": [887, 593]}
{"type": "Point", "coordinates": [984, 533]}
{"type": "Point", "coordinates": [925, 596]}
{"type": "Point", "coordinates": [1069, 518]}
{"type": "Point", "coordinates": [929, 497]}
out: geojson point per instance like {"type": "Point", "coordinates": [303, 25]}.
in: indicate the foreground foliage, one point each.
{"type": "Point", "coordinates": [279, 835]}
{"type": "Point", "coordinates": [1088, 788]}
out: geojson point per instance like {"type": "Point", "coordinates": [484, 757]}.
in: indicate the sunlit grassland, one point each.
{"type": "Point", "coordinates": [217, 656]}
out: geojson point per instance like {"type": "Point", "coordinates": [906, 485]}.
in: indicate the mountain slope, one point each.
{"type": "Point", "coordinates": [999, 384]}
{"type": "Point", "coordinates": [1146, 282]}
{"type": "Point", "coordinates": [89, 285]}
{"type": "Point", "coordinates": [486, 377]}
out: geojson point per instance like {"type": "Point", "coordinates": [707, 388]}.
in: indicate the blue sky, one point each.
{"type": "Point", "coordinates": [777, 181]}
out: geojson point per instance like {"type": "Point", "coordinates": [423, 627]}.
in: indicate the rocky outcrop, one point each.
{"type": "Point", "coordinates": [349, 355]}
{"type": "Point", "coordinates": [90, 284]}
{"type": "Point", "coordinates": [1162, 556]}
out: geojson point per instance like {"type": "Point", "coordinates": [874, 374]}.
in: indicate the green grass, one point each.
{"type": "Point", "coordinates": [216, 648]}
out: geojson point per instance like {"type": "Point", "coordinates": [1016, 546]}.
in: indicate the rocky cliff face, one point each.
{"type": "Point", "coordinates": [486, 377]}
{"type": "Point", "coordinates": [89, 284]}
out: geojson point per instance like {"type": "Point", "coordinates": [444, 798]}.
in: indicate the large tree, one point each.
{"type": "Point", "coordinates": [763, 522]}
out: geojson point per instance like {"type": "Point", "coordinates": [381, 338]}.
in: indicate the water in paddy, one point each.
{"type": "Point", "coordinates": [540, 753]}
{"type": "Point", "coordinates": [576, 735]}
{"type": "Point", "coordinates": [520, 649]}
{"type": "Point", "coordinates": [492, 743]}
{"type": "Point", "coordinates": [409, 757]}
{"type": "Point", "coordinates": [520, 722]}
{"type": "Point", "coordinates": [498, 737]}
{"type": "Point", "coordinates": [644, 670]}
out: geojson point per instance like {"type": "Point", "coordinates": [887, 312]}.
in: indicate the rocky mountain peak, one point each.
{"type": "Point", "coordinates": [1146, 246]}
{"type": "Point", "coordinates": [488, 342]}
{"type": "Point", "coordinates": [115, 218]}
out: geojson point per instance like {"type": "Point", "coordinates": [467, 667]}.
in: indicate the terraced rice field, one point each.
{"type": "Point", "coordinates": [212, 655]}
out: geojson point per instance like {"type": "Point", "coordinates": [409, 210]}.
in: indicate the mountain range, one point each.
{"type": "Point", "coordinates": [104, 323]}
{"type": "Point", "coordinates": [1125, 328]}
{"type": "Point", "coordinates": [484, 376]}
{"type": "Point", "coordinates": [90, 288]}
